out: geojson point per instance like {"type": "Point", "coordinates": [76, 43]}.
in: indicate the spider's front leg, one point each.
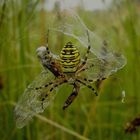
{"type": "Point", "coordinates": [51, 85]}
{"type": "Point", "coordinates": [86, 55]}
{"type": "Point", "coordinates": [48, 60]}
{"type": "Point", "coordinates": [84, 69]}
{"type": "Point", "coordinates": [72, 96]}
{"type": "Point", "coordinates": [86, 83]}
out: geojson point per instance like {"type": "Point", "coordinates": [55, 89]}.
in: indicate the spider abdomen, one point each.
{"type": "Point", "coordinates": [70, 58]}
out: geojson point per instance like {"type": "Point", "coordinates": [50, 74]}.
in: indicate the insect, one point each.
{"type": "Point", "coordinates": [132, 126]}
{"type": "Point", "coordinates": [66, 70]}
{"type": "Point", "coordinates": [70, 67]}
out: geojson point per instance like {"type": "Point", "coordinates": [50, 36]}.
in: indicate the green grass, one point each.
{"type": "Point", "coordinates": [22, 29]}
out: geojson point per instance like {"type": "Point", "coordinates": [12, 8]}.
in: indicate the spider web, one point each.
{"type": "Point", "coordinates": [30, 102]}
{"type": "Point", "coordinates": [106, 61]}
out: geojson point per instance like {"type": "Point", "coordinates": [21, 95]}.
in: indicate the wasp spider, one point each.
{"type": "Point", "coordinates": [67, 69]}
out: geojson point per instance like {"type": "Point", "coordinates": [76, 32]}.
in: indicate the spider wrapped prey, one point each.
{"type": "Point", "coordinates": [96, 64]}
{"type": "Point", "coordinates": [66, 70]}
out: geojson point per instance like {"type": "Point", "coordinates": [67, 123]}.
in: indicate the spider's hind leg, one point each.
{"type": "Point", "coordinates": [72, 96]}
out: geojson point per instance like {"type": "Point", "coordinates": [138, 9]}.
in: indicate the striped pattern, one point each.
{"type": "Point", "coordinates": [70, 58]}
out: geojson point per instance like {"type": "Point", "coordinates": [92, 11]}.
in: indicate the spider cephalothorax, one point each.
{"type": "Point", "coordinates": [66, 69]}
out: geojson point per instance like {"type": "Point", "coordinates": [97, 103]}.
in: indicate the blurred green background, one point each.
{"type": "Point", "coordinates": [23, 26]}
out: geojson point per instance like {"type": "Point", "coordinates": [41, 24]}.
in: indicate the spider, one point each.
{"type": "Point", "coordinates": [67, 69]}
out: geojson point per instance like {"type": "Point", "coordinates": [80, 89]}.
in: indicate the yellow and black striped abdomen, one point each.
{"type": "Point", "coordinates": [70, 58]}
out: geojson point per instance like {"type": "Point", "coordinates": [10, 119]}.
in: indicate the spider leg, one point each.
{"type": "Point", "coordinates": [47, 40]}
{"type": "Point", "coordinates": [88, 50]}
{"type": "Point", "coordinates": [44, 86]}
{"type": "Point", "coordinates": [88, 80]}
{"type": "Point", "coordinates": [91, 81]}
{"type": "Point", "coordinates": [85, 68]}
{"type": "Point", "coordinates": [48, 84]}
{"type": "Point", "coordinates": [72, 96]}
{"type": "Point", "coordinates": [101, 79]}
{"type": "Point", "coordinates": [49, 62]}
{"type": "Point", "coordinates": [55, 84]}
{"type": "Point", "coordinates": [87, 85]}
{"type": "Point", "coordinates": [87, 53]}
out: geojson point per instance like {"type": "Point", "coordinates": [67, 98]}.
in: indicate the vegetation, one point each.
{"type": "Point", "coordinates": [23, 26]}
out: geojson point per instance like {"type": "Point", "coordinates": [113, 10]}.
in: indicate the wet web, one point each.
{"type": "Point", "coordinates": [105, 60]}
{"type": "Point", "coordinates": [30, 102]}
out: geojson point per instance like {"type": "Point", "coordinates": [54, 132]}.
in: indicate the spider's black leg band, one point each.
{"type": "Point", "coordinates": [72, 96]}
{"type": "Point", "coordinates": [47, 39]}
{"type": "Point", "coordinates": [86, 56]}
{"type": "Point", "coordinates": [57, 84]}
{"type": "Point", "coordinates": [52, 88]}
{"type": "Point", "coordinates": [88, 80]}
{"type": "Point", "coordinates": [87, 53]}
{"type": "Point", "coordinates": [101, 79]}
{"type": "Point", "coordinates": [86, 68]}
{"type": "Point", "coordinates": [45, 86]}
{"type": "Point", "coordinates": [91, 81]}
{"type": "Point", "coordinates": [88, 50]}
{"type": "Point", "coordinates": [87, 85]}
